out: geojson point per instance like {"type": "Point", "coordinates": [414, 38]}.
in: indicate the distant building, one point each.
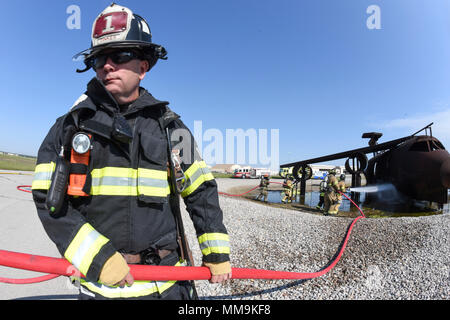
{"type": "Point", "coordinates": [225, 168]}
{"type": "Point", "coordinates": [321, 170]}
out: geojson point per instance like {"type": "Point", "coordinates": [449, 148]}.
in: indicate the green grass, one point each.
{"type": "Point", "coordinates": [222, 175]}
{"type": "Point", "coordinates": [8, 162]}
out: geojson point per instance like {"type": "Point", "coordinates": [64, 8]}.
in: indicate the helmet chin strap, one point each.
{"type": "Point", "coordinates": [83, 70]}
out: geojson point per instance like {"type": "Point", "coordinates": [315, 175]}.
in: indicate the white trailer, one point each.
{"type": "Point", "coordinates": [256, 173]}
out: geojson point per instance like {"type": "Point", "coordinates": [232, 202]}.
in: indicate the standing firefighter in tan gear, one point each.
{"type": "Point", "coordinates": [263, 188]}
{"type": "Point", "coordinates": [341, 187]}
{"type": "Point", "coordinates": [288, 185]}
{"type": "Point", "coordinates": [330, 193]}
{"type": "Point", "coordinates": [122, 204]}
{"type": "Point", "coordinates": [322, 189]}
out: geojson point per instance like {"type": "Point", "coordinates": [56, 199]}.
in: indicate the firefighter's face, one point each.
{"type": "Point", "coordinates": [122, 79]}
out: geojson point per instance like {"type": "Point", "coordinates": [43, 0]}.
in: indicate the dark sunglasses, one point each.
{"type": "Point", "coordinates": [118, 57]}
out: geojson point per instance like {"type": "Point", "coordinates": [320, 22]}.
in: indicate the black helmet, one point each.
{"type": "Point", "coordinates": [342, 176]}
{"type": "Point", "coordinates": [119, 27]}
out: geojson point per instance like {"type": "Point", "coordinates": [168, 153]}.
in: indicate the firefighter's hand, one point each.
{"type": "Point", "coordinates": [128, 280]}
{"type": "Point", "coordinates": [220, 271]}
{"type": "Point", "coordinates": [115, 271]}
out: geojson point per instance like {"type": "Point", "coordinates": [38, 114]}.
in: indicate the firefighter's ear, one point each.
{"type": "Point", "coordinates": [143, 67]}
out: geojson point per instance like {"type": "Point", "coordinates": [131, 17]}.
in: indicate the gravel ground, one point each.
{"type": "Point", "coordinates": [388, 258]}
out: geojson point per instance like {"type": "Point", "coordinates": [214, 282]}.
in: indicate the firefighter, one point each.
{"type": "Point", "coordinates": [341, 187]}
{"type": "Point", "coordinates": [263, 187]}
{"type": "Point", "coordinates": [123, 213]}
{"type": "Point", "coordinates": [288, 185]}
{"type": "Point", "coordinates": [330, 196]}
{"type": "Point", "coordinates": [322, 189]}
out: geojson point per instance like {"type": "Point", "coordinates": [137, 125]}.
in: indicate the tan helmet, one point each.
{"type": "Point", "coordinates": [119, 27]}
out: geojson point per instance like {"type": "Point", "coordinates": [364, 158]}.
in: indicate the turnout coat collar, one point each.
{"type": "Point", "coordinates": [98, 97]}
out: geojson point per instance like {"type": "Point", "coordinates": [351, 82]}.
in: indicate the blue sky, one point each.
{"type": "Point", "coordinates": [311, 69]}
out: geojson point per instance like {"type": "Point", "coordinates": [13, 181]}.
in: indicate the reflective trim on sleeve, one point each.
{"type": "Point", "coordinates": [84, 247]}
{"type": "Point", "coordinates": [42, 177]}
{"type": "Point", "coordinates": [214, 243]}
{"type": "Point", "coordinates": [138, 289]}
{"type": "Point", "coordinates": [196, 174]}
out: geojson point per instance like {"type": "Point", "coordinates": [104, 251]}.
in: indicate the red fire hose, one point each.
{"type": "Point", "coordinates": [240, 195]}
{"type": "Point", "coordinates": [59, 266]}
{"type": "Point", "coordinates": [21, 188]}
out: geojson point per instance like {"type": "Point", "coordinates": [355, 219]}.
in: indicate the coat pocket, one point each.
{"type": "Point", "coordinates": [153, 152]}
{"type": "Point", "coordinates": [152, 178]}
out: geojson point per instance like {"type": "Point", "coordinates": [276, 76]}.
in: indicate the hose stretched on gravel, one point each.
{"type": "Point", "coordinates": [240, 195]}
{"type": "Point", "coordinates": [59, 266]}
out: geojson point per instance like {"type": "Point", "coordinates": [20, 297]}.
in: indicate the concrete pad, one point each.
{"type": "Point", "coordinates": [22, 231]}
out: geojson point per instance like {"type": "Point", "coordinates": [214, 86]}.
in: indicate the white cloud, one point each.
{"type": "Point", "coordinates": [440, 127]}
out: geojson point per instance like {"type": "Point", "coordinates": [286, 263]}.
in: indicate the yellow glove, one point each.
{"type": "Point", "coordinates": [218, 268]}
{"type": "Point", "coordinates": [114, 270]}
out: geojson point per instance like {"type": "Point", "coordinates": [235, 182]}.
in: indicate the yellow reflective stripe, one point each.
{"type": "Point", "coordinates": [153, 174]}
{"type": "Point", "coordinates": [45, 167]}
{"type": "Point", "coordinates": [129, 173]}
{"type": "Point", "coordinates": [114, 172]}
{"type": "Point", "coordinates": [213, 236]}
{"type": "Point", "coordinates": [154, 191]}
{"type": "Point", "coordinates": [129, 182]}
{"type": "Point", "coordinates": [42, 176]}
{"type": "Point", "coordinates": [214, 243]}
{"type": "Point", "coordinates": [84, 247]}
{"type": "Point", "coordinates": [113, 190]}
{"type": "Point", "coordinates": [196, 174]}
{"type": "Point", "coordinates": [138, 289]}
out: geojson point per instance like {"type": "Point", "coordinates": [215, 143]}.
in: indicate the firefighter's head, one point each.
{"type": "Point", "coordinates": [121, 72]}
{"type": "Point", "coordinates": [121, 52]}
{"type": "Point", "coordinates": [118, 29]}
{"type": "Point", "coordinates": [332, 171]}
{"type": "Point", "coordinates": [342, 177]}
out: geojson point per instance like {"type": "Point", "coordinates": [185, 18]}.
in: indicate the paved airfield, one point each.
{"type": "Point", "coordinates": [21, 231]}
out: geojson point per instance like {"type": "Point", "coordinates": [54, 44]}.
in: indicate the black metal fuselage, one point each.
{"type": "Point", "coordinates": [418, 168]}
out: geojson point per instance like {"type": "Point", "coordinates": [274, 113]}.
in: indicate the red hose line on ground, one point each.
{"type": "Point", "coordinates": [239, 195]}
{"type": "Point", "coordinates": [60, 266]}
{"type": "Point", "coordinates": [20, 188]}
{"type": "Point", "coordinates": [30, 280]}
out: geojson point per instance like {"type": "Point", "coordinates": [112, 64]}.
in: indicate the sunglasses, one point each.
{"type": "Point", "coordinates": [118, 57]}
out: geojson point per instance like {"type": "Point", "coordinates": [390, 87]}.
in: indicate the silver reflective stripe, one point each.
{"type": "Point", "coordinates": [138, 289]}
{"type": "Point", "coordinates": [199, 172]}
{"type": "Point", "coordinates": [113, 181]}
{"type": "Point", "coordinates": [149, 182]}
{"type": "Point", "coordinates": [84, 247]}
{"type": "Point", "coordinates": [124, 181]}
{"type": "Point", "coordinates": [43, 175]}
{"type": "Point", "coordinates": [214, 243]}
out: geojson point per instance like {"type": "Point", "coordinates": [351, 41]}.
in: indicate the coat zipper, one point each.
{"type": "Point", "coordinates": [132, 165]}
